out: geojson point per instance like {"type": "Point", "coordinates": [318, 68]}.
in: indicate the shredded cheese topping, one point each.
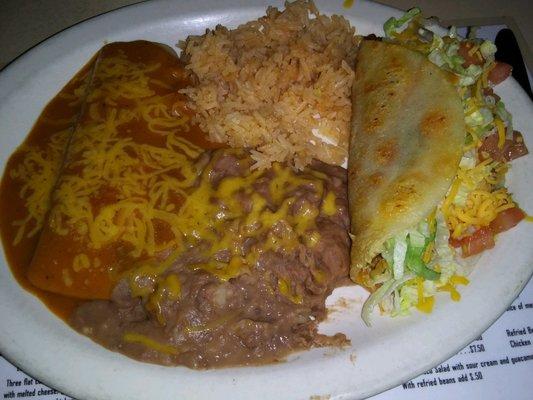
{"type": "Point", "coordinates": [144, 182]}
{"type": "Point", "coordinates": [133, 337]}
{"type": "Point", "coordinates": [480, 201]}
{"type": "Point", "coordinates": [477, 194]}
{"type": "Point", "coordinates": [38, 172]}
{"type": "Point", "coordinates": [219, 217]}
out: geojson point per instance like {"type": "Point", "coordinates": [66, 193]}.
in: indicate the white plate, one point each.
{"type": "Point", "coordinates": [391, 352]}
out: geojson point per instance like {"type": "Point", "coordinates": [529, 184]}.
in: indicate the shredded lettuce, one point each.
{"type": "Point", "coordinates": [470, 75]}
{"type": "Point", "coordinates": [414, 262]}
{"type": "Point", "coordinates": [444, 254]}
{"type": "Point", "coordinates": [394, 251]}
{"type": "Point", "coordinates": [377, 297]}
{"type": "Point", "coordinates": [468, 160]}
{"type": "Point", "coordinates": [445, 55]}
{"type": "Point", "coordinates": [488, 50]}
{"type": "Point", "coordinates": [416, 239]}
{"type": "Point", "coordinates": [502, 112]}
{"type": "Point", "coordinates": [404, 256]}
{"type": "Point", "coordinates": [392, 25]}
{"type": "Point", "coordinates": [388, 251]}
{"type": "Point", "coordinates": [424, 229]}
{"type": "Point", "coordinates": [408, 297]}
{"type": "Point", "coordinates": [406, 250]}
{"type": "Point", "coordinates": [399, 293]}
{"type": "Point", "coordinates": [400, 251]}
{"type": "Point", "coordinates": [481, 117]}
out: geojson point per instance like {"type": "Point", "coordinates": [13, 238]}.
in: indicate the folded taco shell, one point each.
{"type": "Point", "coordinates": [406, 142]}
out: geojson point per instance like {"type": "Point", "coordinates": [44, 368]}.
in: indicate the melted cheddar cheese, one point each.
{"type": "Point", "coordinates": [127, 168]}
{"type": "Point", "coordinates": [483, 201]}
{"type": "Point", "coordinates": [217, 217]}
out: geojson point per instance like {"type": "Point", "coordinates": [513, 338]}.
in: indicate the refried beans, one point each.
{"type": "Point", "coordinates": [203, 311]}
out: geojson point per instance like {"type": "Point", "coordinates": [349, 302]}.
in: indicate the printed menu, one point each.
{"type": "Point", "coordinates": [497, 365]}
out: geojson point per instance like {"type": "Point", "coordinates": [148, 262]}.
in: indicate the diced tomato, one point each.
{"type": "Point", "coordinates": [483, 238]}
{"type": "Point", "coordinates": [499, 72]}
{"type": "Point", "coordinates": [473, 59]}
{"type": "Point", "coordinates": [512, 149]}
{"type": "Point", "coordinates": [480, 240]}
{"type": "Point", "coordinates": [507, 219]}
{"type": "Point", "coordinates": [516, 148]}
{"type": "Point", "coordinates": [489, 149]}
{"type": "Point", "coordinates": [455, 242]}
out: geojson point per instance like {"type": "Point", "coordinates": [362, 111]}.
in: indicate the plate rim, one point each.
{"type": "Point", "coordinates": [11, 68]}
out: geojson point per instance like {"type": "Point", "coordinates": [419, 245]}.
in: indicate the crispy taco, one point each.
{"type": "Point", "coordinates": [407, 139]}
{"type": "Point", "coordinates": [430, 147]}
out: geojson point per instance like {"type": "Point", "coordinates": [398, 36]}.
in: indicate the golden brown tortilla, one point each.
{"type": "Point", "coordinates": [406, 142]}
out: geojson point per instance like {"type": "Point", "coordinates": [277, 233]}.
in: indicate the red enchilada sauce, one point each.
{"type": "Point", "coordinates": [41, 155]}
{"type": "Point", "coordinates": [58, 118]}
